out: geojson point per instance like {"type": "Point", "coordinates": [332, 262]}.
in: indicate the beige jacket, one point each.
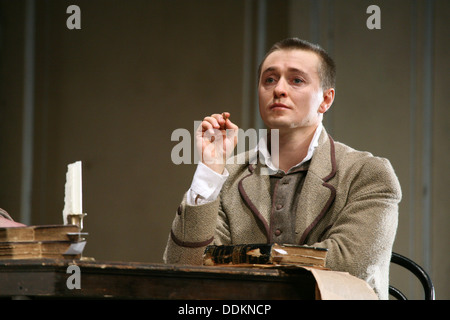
{"type": "Point", "coordinates": [348, 204]}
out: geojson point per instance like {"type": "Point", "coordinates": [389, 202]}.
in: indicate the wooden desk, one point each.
{"type": "Point", "coordinates": [130, 280]}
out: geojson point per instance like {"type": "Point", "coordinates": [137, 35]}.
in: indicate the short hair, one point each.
{"type": "Point", "coordinates": [327, 68]}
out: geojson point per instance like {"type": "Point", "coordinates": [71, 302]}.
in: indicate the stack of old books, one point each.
{"type": "Point", "coordinates": [45, 241]}
{"type": "Point", "coordinates": [265, 254]}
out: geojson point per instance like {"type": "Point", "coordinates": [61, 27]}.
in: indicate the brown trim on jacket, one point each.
{"type": "Point", "coordinates": [189, 244]}
{"type": "Point", "coordinates": [332, 194]}
{"type": "Point", "coordinates": [274, 196]}
{"type": "Point", "coordinates": [259, 217]}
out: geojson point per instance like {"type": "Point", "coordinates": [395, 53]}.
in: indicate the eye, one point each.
{"type": "Point", "coordinates": [269, 80]}
{"type": "Point", "coordinates": [297, 80]}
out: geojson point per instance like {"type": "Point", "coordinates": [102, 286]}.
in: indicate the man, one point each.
{"type": "Point", "coordinates": [320, 192]}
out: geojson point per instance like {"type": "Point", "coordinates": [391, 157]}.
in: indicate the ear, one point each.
{"type": "Point", "coordinates": [328, 98]}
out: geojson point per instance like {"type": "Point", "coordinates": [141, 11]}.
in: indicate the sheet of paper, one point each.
{"type": "Point", "coordinates": [335, 285]}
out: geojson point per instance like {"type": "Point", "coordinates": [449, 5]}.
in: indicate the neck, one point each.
{"type": "Point", "coordinates": [293, 146]}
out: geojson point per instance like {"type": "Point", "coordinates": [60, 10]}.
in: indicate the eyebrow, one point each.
{"type": "Point", "coordinates": [291, 70]}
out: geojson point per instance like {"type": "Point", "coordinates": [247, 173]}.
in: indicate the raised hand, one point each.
{"type": "Point", "coordinates": [216, 138]}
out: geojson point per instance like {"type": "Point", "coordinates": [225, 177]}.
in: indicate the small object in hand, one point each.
{"type": "Point", "coordinates": [225, 116]}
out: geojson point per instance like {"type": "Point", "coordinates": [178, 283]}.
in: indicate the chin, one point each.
{"type": "Point", "coordinates": [278, 124]}
{"type": "Point", "coordinates": [279, 120]}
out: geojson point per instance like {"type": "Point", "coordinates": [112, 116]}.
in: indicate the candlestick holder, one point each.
{"type": "Point", "coordinates": [76, 219]}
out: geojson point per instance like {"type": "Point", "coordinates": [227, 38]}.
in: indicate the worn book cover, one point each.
{"type": "Point", "coordinates": [44, 241]}
{"type": "Point", "coordinates": [264, 254]}
{"type": "Point", "coordinates": [38, 233]}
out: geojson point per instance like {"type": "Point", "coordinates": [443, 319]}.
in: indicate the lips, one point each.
{"type": "Point", "coordinates": [279, 106]}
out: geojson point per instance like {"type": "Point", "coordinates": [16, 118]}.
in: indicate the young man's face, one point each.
{"type": "Point", "coordinates": [290, 93]}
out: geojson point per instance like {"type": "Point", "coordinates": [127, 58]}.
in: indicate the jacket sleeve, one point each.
{"type": "Point", "coordinates": [361, 238]}
{"type": "Point", "coordinates": [193, 228]}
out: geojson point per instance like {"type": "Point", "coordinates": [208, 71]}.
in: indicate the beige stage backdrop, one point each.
{"type": "Point", "coordinates": [112, 93]}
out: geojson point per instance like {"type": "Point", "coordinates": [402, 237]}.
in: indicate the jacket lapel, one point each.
{"type": "Point", "coordinates": [254, 189]}
{"type": "Point", "coordinates": [317, 193]}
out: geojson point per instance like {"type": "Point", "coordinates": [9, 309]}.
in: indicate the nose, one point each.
{"type": "Point", "coordinates": [280, 90]}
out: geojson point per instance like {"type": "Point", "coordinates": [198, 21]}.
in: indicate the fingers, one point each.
{"type": "Point", "coordinates": [216, 138]}
{"type": "Point", "coordinates": [225, 116]}
{"type": "Point", "coordinates": [217, 125]}
{"type": "Point", "coordinates": [227, 122]}
{"type": "Point", "coordinates": [218, 121]}
{"type": "Point", "coordinates": [215, 121]}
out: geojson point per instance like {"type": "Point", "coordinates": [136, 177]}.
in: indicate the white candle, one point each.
{"type": "Point", "coordinates": [77, 190]}
{"type": "Point", "coordinates": [73, 200]}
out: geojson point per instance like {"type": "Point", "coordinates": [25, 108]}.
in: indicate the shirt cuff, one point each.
{"type": "Point", "coordinates": [206, 184]}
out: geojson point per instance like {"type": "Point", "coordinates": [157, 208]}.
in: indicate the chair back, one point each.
{"type": "Point", "coordinates": [418, 271]}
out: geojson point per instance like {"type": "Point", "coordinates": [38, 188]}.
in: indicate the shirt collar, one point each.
{"type": "Point", "coordinates": [267, 159]}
